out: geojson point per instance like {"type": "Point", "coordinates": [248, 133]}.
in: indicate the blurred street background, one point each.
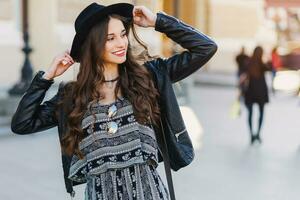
{"type": "Point", "coordinates": [226, 166]}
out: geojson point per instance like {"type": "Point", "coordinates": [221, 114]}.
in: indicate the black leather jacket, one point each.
{"type": "Point", "coordinates": [33, 116]}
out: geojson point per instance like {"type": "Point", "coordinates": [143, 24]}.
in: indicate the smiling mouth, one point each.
{"type": "Point", "coordinates": [119, 53]}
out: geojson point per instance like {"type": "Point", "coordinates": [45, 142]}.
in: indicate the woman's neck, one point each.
{"type": "Point", "coordinates": [111, 71]}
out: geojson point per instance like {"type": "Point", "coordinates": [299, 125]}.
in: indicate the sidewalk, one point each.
{"type": "Point", "coordinates": [215, 79]}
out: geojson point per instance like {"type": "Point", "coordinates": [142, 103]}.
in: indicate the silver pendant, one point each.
{"type": "Point", "coordinates": [112, 127]}
{"type": "Point", "coordinates": [112, 110]}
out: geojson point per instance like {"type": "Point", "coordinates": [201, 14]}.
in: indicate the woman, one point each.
{"type": "Point", "coordinates": [108, 118]}
{"type": "Point", "coordinates": [256, 91]}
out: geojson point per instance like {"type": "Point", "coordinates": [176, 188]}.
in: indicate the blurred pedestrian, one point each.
{"type": "Point", "coordinates": [276, 64]}
{"type": "Point", "coordinates": [256, 91]}
{"type": "Point", "coordinates": [112, 119]}
{"type": "Point", "coordinates": [242, 60]}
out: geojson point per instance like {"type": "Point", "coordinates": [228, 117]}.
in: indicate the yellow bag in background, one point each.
{"type": "Point", "coordinates": [235, 109]}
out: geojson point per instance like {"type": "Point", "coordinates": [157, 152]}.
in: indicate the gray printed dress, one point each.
{"type": "Point", "coordinates": [119, 166]}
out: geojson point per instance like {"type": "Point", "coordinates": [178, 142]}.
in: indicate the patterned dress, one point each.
{"type": "Point", "coordinates": [118, 166]}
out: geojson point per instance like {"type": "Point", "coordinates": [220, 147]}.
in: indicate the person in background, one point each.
{"type": "Point", "coordinates": [256, 91]}
{"type": "Point", "coordinates": [242, 60]}
{"type": "Point", "coordinates": [276, 64]}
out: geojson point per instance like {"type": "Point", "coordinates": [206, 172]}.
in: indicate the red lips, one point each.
{"type": "Point", "coordinates": [120, 53]}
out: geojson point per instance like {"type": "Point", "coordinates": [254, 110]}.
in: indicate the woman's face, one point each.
{"type": "Point", "coordinates": [116, 43]}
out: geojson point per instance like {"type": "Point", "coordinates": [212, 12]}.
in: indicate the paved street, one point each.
{"type": "Point", "coordinates": [225, 167]}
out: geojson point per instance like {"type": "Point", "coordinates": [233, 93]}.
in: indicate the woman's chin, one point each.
{"type": "Point", "coordinates": [120, 61]}
{"type": "Point", "coordinates": [116, 60]}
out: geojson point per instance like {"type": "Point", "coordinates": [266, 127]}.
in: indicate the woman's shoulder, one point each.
{"type": "Point", "coordinates": [155, 64]}
{"type": "Point", "coordinates": [66, 84]}
{"type": "Point", "coordinates": [65, 87]}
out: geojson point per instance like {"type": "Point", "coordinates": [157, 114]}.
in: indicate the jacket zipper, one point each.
{"type": "Point", "coordinates": [178, 134]}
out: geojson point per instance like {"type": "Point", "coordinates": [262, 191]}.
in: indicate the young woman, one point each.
{"type": "Point", "coordinates": [107, 119]}
{"type": "Point", "coordinates": [257, 90]}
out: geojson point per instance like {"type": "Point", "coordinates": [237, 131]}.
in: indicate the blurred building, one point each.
{"type": "Point", "coordinates": [231, 23]}
{"type": "Point", "coordinates": [257, 22]}
{"type": "Point", "coordinates": [285, 16]}
{"type": "Point", "coordinates": [51, 30]}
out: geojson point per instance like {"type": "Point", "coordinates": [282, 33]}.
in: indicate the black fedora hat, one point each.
{"type": "Point", "coordinates": [90, 16]}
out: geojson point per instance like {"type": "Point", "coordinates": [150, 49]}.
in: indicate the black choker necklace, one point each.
{"type": "Point", "coordinates": [112, 80]}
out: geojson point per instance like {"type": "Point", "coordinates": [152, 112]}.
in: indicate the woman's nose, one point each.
{"type": "Point", "coordinates": [120, 42]}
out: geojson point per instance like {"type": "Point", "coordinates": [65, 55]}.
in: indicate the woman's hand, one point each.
{"type": "Point", "coordinates": [59, 65]}
{"type": "Point", "coordinates": [143, 17]}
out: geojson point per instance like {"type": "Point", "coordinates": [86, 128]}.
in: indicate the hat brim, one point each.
{"type": "Point", "coordinates": [122, 9]}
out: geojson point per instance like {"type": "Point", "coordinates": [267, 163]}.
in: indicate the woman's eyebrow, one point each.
{"type": "Point", "coordinates": [113, 33]}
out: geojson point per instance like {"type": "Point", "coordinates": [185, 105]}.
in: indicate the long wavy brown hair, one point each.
{"type": "Point", "coordinates": [135, 84]}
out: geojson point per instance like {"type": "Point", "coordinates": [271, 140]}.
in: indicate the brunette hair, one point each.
{"type": "Point", "coordinates": [135, 83]}
{"type": "Point", "coordinates": [256, 66]}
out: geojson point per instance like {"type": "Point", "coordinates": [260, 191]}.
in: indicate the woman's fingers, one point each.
{"type": "Point", "coordinates": [60, 64]}
{"type": "Point", "coordinates": [135, 10]}
{"type": "Point", "coordinates": [66, 62]}
{"type": "Point", "coordinates": [138, 11]}
{"type": "Point", "coordinates": [65, 58]}
{"type": "Point", "coordinates": [68, 56]}
{"type": "Point", "coordinates": [144, 17]}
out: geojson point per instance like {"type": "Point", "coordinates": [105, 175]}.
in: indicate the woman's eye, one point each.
{"type": "Point", "coordinates": [112, 38]}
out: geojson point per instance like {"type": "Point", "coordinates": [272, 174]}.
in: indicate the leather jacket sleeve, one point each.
{"type": "Point", "coordinates": [31, 116]}
{"type": "Point", "coordinates": [200, 48]}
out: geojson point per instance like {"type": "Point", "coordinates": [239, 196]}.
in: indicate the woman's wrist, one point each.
{"type": "Point", "coordinates": [47, 77]}
{"type": "Point", "coordinates": [154, 20]}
